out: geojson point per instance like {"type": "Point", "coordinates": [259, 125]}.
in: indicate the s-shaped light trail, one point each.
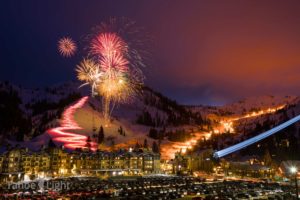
{"type": "Point", "coordinates": [244, 144]}
{"type": "Point", "coordinates": [63, 135]}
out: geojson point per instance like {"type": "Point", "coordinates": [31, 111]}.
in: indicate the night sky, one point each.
{"type": "Point", "coordinates": [204, 52]}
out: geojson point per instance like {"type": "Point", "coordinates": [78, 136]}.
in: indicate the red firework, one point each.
{"type": "Point", "coordinates": [110, 49]}
{"type": "Point", "coordinates": [66, 47]}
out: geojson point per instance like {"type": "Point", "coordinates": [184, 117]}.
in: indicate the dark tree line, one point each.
{"type": "Point", "coordinates": [178, 135]}
{"type": "Point", "coordinates": [15, 123]}
{"type": "Point", "coordinates": [176, 114]}
{"type": "Point", "coordinates": [155, 147]}
{"type": "Point", "coordinates": [44, 105]}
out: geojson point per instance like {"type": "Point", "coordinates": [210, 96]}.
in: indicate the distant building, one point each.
{"type": "Point", "coordinates": [284, 143]}
{"type": "Point", "coordinates": [249, 169]}
{"type": "Point", "coordinates": [34, 164]}
{"type": "Point", "coordinates": [21, 164]}
{"type": "Point", "coordinates": [197, 161]}
{"type": "Point", "coordinates": [202, 161]}
{"type": "Point", "coordinates": [166, 166]}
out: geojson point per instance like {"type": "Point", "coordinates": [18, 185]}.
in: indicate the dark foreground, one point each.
{"type": "Point", "coordinates": [152, 188]}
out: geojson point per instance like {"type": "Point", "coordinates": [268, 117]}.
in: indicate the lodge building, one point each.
{"type": "Point", "coordinates": [21, 164]}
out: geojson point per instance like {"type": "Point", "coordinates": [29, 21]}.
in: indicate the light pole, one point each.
{"type": "Point", "coordinates": [294, 171]}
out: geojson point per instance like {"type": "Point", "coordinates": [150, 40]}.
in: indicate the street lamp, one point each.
{"type": "Point", "coordinates": [294, 171]}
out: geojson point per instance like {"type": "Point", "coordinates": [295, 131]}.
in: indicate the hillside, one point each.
{"type": "Point", "coordinates": [26, 113]}
{"type": "Point", "coordinates": [150, 118]}
{"type": "Point", "coordinates": [42, 109]}
{"type": "Point", "coordinates": [283, 145]}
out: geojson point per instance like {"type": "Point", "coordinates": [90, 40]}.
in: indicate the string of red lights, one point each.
{"type": "Point", "coordinates": [62, 133]}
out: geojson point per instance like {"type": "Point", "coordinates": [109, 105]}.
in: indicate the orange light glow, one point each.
{"type": "Point", "coordinates": [169, 149]}
{"type": "Point", "coordinates": [227, 125]}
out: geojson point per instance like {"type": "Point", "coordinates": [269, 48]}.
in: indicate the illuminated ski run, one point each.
{"type": "Point", "coordinates": [63, 135]}
{"type": "Point", "coordinates": [241, 145]}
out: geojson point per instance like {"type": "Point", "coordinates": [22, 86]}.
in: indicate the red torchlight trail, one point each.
{"type": "Point", "coordinates": [61, 134]}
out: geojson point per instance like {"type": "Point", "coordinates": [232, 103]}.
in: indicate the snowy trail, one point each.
{"type": "Point", "coordinates": [63, 134]}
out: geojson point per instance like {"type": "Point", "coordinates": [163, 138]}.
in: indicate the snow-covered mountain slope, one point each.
{"type": "Point", "coordinates": [249, 107]}
{"type": "Point", "coordinates": [254, 104]}
{"type": "Point", "coordinates": [175, 126]}
{"type": "Point", "coordinates": [29, 112]}
{"type": "Point", "coordinates": [42, 109]}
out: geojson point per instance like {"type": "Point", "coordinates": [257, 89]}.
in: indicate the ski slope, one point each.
{"type": "Point", "coordinates": [246, 143]}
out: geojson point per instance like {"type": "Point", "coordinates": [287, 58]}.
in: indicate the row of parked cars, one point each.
{"type": "Point", "coordinates": [155, 188]}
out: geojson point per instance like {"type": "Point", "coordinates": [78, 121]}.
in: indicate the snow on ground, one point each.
{"type": "Point", "coordinates": [90, 118]}
{"type": "Point", "coordinates": [258, 103]}
{"type": "Point", "coordinates": [35, 144]}
{"type": "Point", "coordinates": [245, 106]}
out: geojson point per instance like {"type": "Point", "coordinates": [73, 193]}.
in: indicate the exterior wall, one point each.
{"type": "Point", "coordinates": [35, 164]}
{"type": "Point", "coordinates": [14, 161]}
{"type": "Point", "coordinates": [19, 164]}
{"type": "Point", "coordinates": [188, 164]}
{"type": "Point", "coordinates": [1, 163]}
{"type": "Point", "coordinates": [247, 170]}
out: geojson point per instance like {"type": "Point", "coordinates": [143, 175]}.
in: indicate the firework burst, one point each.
{"type": "Point", "coordinates": [114, 88]}
{"type": "Point", "coordinates": [114, 68]}
{"type": "Point", "coordinates": [67, 47]}
{"type": "Point", "coordinates": [133, 42]}
{"type": "Point", "coordinates": [89, 72]}
{"type": "Point", "coordinates": [110, 49]}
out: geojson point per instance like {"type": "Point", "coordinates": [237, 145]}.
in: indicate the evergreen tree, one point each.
{"type": "Point", "coordinates": [267, 158]}
{"type": "Point", "coordinates": [137, 146]}
{"type": "Point", "coordinates": [88, 143]}
{"type": "Point", "coordinates": [51, 144]}
{"type": "Point", "coordinates": [113, 144]}
{"type": "Point", "coordinates": [101, 135]}
{"type": "Point", "coordinates": [155, 147]}
{"type": "Point", "coordinates": [145, 144]}
{"type": "Point", "coordinates": [153, 133]}
{"type": "Point", "coordinates": [121, 131]}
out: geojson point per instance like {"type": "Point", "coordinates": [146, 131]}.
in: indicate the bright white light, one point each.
{"type": "Point", "coordinates": [293, 170]}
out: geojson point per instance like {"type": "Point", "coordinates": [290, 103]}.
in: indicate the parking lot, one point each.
{"type": "Point", "coordinates": [155, 188]}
